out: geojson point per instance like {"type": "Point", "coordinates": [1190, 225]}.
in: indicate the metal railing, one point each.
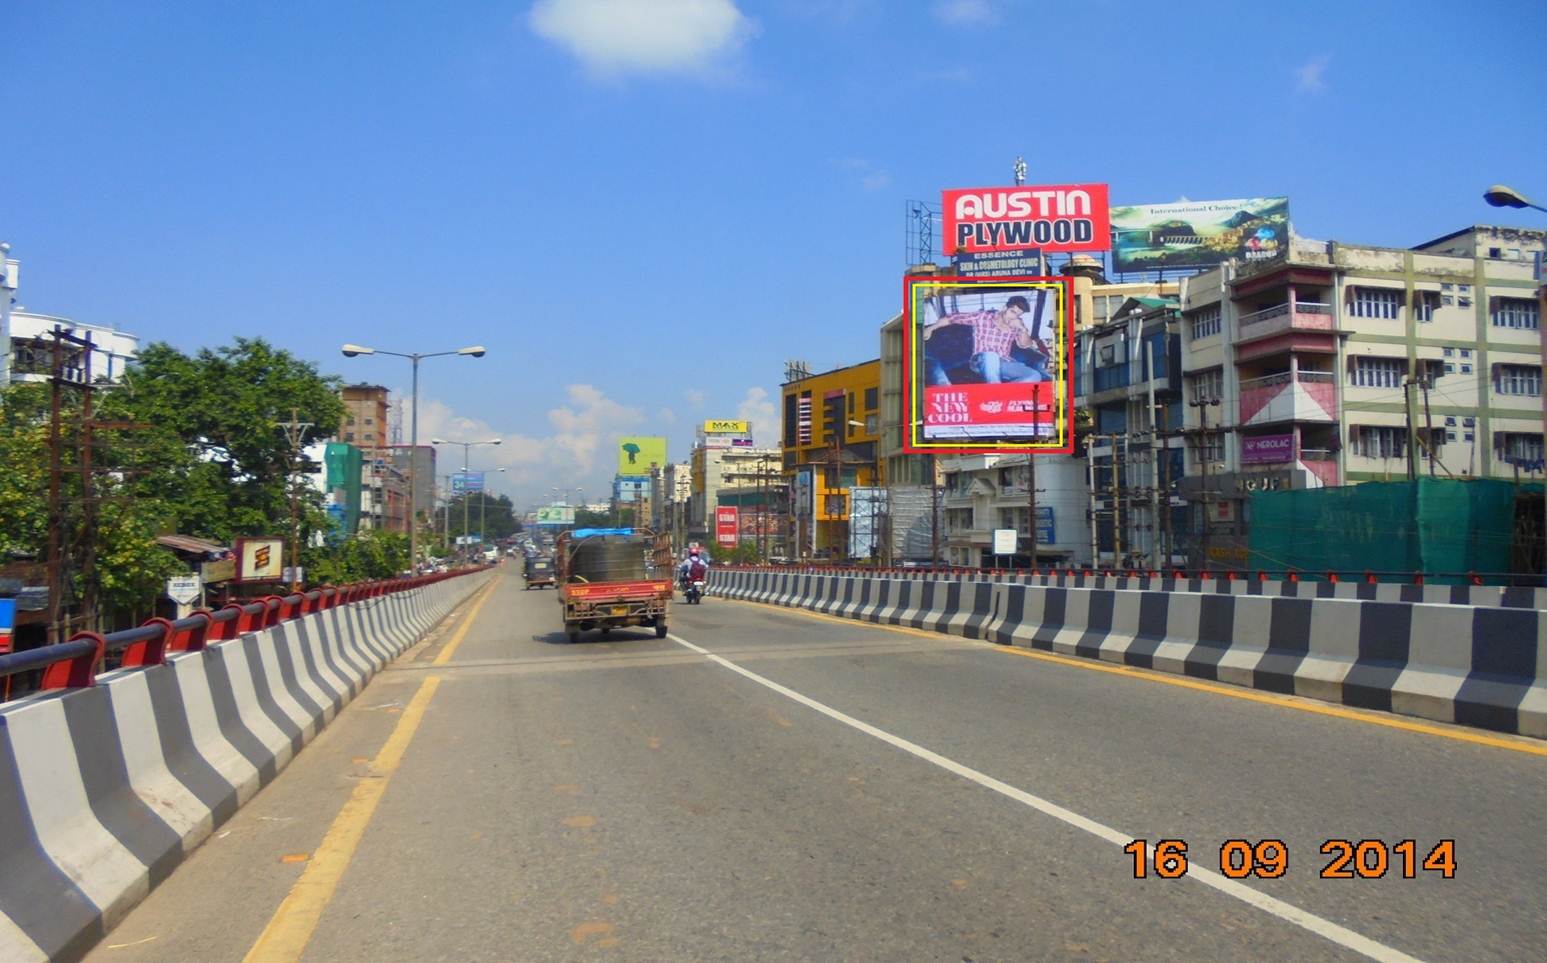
{"type": "Point", "coordinates": [75, 663]}
{"type": "Point", "coordinates": [1279, 310]}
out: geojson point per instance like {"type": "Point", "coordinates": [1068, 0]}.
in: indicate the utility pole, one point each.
{"type": "Point", "coordinates": [1208, 474]}
{"type": "Point", "coordinates": [295, 434]}
{"type": "Point", "coordinates": [934, 510]}
{"type": "Point", "coordinates": [1428, 424]}
{"type": "Point", "coordinates": [1031, 508]}
{"type": "Point", "coordinates": [1117, 515]}
{"type": "Point", "coordinates": [55, 496]}
{"type": "Point", "coordinates": [1412, 436]}
{"type": "Point", "coordinates": [1163, 498]}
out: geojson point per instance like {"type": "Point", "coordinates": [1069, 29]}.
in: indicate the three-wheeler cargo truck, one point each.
{"type": "Point", "coordinates": [614, 578]}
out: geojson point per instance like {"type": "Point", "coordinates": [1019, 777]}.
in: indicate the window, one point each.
{"type": "Point", "coordinates": [1449, 352]}
{"type": "Point", "coordinates": [1450, 421]}
{"type": "Point", "coordinates": [1462, 302]}
{"type": "Point", "coordinates": [1450, 368]}
{"type": "Point", "coordinates": [1464, 288]}
{"type": "Point", "coordinates": [1432, 370]}
{"type": "Point", "coordinates": [1518, 379]}
{"type": "Point", "coordinates": [1377, 372]}
{"type": "Point", "coordinates": [1466, 352]}
{"type": "Point", "coordinates": [1424, 303]}
{"type": "Point", "coordinates": [1375, 303]}
{"type": "Point", "coordinates": [349, 436]}
{"type": "Point", "coordinates": [1466, 369]}
{"type": "Point", "coordinates": [1450, 436]}
{"type": "Point", "coordinates": [1205, 322]}
{"type": "Point", "coordinates": [872, 398]}
{"type": "Point", "coordinates": [1515, 313]}
{"type": "Point", "coordinates": [1378, 441]}
{"type": "Point", "coordinates": [1446, 286]}
{"type": "Point", "coordinates": [351, 421]}
{"type": "Point", "coordinates": [1447, 300]}
{"type": "Point", "coordinates": [1517, 447]}
{"type": "Point", "coordinates": [1467, 436]}
{"type": "Point", "coordinates": [1468, 422]}
{"type": "Point", "coordinates": [370, 421]}
{"type": "Point", "coordinates": [1208, 385]}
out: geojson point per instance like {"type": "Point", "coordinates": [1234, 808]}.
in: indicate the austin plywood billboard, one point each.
{"type": "Point", "coordinates": [1062, 217]}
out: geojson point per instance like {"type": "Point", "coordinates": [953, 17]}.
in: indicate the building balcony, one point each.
{"type": "Point", "coordinates": [1300, 396]}
{"type": "Point", "coordinates": [1310, 316]}
{"type": "Point", "coordinates": [1322, 463]}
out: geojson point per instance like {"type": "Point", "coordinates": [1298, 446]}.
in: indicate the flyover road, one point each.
{"type": "Point", "coordinates": [769, 784]}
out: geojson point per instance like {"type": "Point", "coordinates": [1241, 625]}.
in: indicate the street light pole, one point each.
{"type": "Point", "coordinates": [466, 447]}
{"type": "Point", "coordinates": [354, 350]}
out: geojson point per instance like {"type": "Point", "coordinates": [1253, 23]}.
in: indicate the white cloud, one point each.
{"type": "Point", "coordinates": [614, 37]}
{"type": "Point", "coordinates": [965, 12]}
{"type": "Point", "coordinates": [757, 407]}
{"type": "Point", "coordinates": [666, 416]}
{"type": "Point", "coordinates": [871, 177]}
{"type": "Point", "coordinates": [575, 452]}
{"type": "Point", "coordinates": [694, 397]}
{"type": "Point", "coordinates": [1309, 76]}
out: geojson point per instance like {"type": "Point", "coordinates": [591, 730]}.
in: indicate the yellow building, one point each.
{"type": "Point", "coordinates": [832, 423]}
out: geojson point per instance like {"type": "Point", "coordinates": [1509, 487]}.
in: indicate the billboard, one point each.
{"type": "Point", "coordinates": [727, 527]}
{"type": "Point", "coordinates": [1147, 237]}
{"type": "Point", "coordinates": [466, 482]}
{"type": "Point", "coordinates": [803, 500]}
{"type": "Point", "coordinates": [259, 559]}
{"type": "Point", "coordinates": [555, 515]}
{"type": "Point", "coordinates": [726, 427]}
{"type": "Point", "coordinates": [987, 365]}
{"type": "Point", "coordinates": [1268, 449]}
{"type": "Point", "coordinates": [636, 453]}
{"type": "Point", "coordinates": [727, 441]}
{"type": "Point", "coordinates": [1061, 217]}
{"type": "Point", "coordinates": [1000, 264]}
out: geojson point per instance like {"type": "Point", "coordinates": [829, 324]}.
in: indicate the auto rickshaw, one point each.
{"type": "Point", "coordinates": [539, 571]}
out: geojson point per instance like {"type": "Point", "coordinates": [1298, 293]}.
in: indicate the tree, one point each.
{"type": "Point", "coordinates": [744, 553]}
{"type": "Point", "coordinates": [372, 554]}
{"type": "Point", "coordinates": [497, 512]}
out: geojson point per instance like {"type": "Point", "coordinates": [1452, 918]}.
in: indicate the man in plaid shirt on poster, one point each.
{"type": "Point", "coordinates": [994, 334]}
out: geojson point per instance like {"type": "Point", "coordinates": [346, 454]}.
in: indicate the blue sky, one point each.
{"type": "Point", "coordinates": [643, 208]}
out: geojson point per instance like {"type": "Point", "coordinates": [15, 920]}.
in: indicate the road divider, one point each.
{"type": "Point", "coordinates": [107, 787]}
{"type": "Point", "coordinates": [1475, 665]}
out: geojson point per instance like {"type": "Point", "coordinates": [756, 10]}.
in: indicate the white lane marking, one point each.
{"type": "Point", "coordinates": [1276, 907]}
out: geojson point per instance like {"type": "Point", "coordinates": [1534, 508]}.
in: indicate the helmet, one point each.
{"type": "Point", "coordinates": [693, 553]}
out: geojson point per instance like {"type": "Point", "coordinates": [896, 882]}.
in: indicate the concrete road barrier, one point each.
{"type": "Point", "coordinates": [1480, 665]}
{"type": "Point", "coordinates": [106, 789]}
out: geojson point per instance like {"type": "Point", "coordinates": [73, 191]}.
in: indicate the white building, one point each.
{"type": "Point", "coordinates": [987, 492]}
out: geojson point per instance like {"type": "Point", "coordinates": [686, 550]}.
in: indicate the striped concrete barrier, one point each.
{"type": "Point", "coordinates": [1482, 665]}
{"type": "Point", "coordinates": [1527, 597]}
{"type": "Point", "coordinates": [106, 789]}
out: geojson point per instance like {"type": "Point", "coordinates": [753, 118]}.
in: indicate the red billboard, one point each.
{"type": "Point", "coordinates": [987, 365]}
{"type": "Point", "coordinates": [1060, 217]}
{"type": "Point", "coordinates": [727, 527]}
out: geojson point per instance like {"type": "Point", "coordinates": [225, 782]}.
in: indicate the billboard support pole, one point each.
{"type": "Point", "coordinates": [1031, 505]}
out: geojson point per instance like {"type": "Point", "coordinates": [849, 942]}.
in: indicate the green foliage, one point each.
{"type": "Point", "coordinates": [497, 512]}
{"type": "Point", "coordinates": [372, 554]}
{"type": "Point", "coordinates": [745, 553]}
{"type": "Point", "coordinates": [206, 458]}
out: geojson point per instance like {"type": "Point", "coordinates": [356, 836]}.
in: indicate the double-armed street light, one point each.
{"type": "Point", "coordinates": [354, 351]}
{"type": "Point", "coordinates": [466, 446]}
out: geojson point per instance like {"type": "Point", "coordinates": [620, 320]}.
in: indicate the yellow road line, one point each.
{"type": "Point", "coordinates": [291, 927]}
{"type": "Point", "coordinates": [444, 656]}
{"type": "Point", "coordinates": [1300, 703]}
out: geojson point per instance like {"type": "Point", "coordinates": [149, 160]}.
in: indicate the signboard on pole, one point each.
{"type": "Point", "coordinates": [466, 482]}
{"type": "Point", "coordinates": [636, 453]}
{"type": "Point", "coordinates": [727, 529]}
{"type": "Point", "coordinates": [184, 590]}
{"type": "Point", "coordinates": [555, 515]}
{"type": "Point", "coordinates": [1004, 541]}
{"type": "Point", "coordinates": [259, 559]}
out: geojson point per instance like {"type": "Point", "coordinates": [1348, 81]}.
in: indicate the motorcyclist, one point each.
{"type": "Point", "coordinates": [694, 568]}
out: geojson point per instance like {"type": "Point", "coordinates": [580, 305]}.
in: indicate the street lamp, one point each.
{"type": "Point", "coordinates": [466, 445]}
{"type": "Point", "coordinates": [1500, 195]}
{"type": "Point", "coordinates": [356, 350]}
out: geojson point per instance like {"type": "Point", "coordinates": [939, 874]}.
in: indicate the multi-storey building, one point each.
{"type": "Point", "coordinates": [31, 350]}
{"type": "Point", "coordinates": [1343, 363]}
{"type": "Point", "coordinates": [714, 470]}
{"type": "Point", "coordinates": [832, 427]}
{"type": "Point", "coordinates": [982, 493]}
{"type": "Point", "coordinates": [384, 496]}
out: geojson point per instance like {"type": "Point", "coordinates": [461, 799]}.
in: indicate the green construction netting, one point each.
{"type": "Point", "coordinates": [1425, 525]}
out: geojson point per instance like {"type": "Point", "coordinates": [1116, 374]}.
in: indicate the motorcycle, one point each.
{"type": "Point", "coordinates": [694, 590]}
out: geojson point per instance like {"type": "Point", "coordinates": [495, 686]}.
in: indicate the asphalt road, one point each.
{"type": "Point", "coordinates": [767, 784]}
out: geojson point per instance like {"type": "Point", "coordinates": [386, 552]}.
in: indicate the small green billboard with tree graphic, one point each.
{"type": "Point", "coordinates": [636, 453]}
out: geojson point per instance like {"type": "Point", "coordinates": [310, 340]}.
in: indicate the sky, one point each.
{"type": "Point", "coordinates": [643, 208]}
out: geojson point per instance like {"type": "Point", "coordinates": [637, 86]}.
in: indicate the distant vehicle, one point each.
{"type": "Point", "coordinates": [539, 572]}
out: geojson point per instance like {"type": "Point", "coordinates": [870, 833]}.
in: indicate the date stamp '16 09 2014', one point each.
{"type": "Point", "coordinates": [1269, 858]}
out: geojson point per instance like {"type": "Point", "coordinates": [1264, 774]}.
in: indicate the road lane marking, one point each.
{"type": "Point", "coordinates": [450, 649]}
{"type": "Point", "coordinates": [292, 925]}
{"type": "Point", "coordinates": [1299, 703]}
{"type": "Point", "coordinates": [1287, 912]}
